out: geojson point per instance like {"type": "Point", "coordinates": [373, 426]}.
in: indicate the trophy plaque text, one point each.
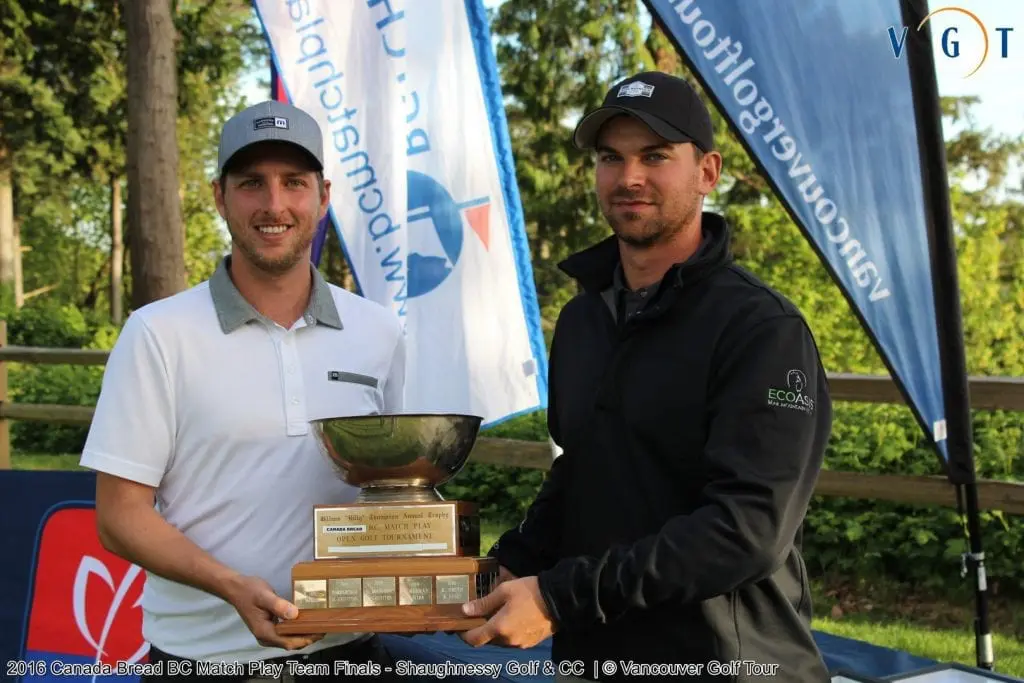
{"type": "Point", "coordinates": [399, 559]}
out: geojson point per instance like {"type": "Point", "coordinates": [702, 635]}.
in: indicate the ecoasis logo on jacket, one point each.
{"type": "Point", "coordinates": [792, 396]}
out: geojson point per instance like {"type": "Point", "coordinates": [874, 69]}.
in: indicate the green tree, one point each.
{"type": "Point", "coordinates": [62, 136]}
{"type": "Point", "coordinates": [558, 58]}
{"type": "Point", "coordinates": [62, 71]}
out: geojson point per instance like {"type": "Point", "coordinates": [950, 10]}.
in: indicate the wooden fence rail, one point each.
{"type": "Point", "coordinates": [987, 393]}
{"type": "Point", "coordinates": [916, 490]}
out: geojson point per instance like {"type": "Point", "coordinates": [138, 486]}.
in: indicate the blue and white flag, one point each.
{"type": "Point", "coordinates": [424, 195]}
{"type": "Point", "coordinates": [846, 129]}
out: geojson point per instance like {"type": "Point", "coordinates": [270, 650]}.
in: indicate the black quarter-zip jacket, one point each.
{"type": "Point", "coordinates": [668, 531]}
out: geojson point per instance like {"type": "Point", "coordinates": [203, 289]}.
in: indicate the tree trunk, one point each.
{"type": "Point", "coordinates": [116, 252]}
{"type": "Point", "coordinates": [19, 276]}
{"type": "Point", "coordinates": [8, 244]}
{"type": "Point", "coordinates": [154, 207]}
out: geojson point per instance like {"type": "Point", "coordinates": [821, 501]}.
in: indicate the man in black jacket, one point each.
{"type": "Point", "coordinates": [693, 412]}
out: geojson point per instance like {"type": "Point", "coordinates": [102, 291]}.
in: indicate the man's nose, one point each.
{"type": "Point", "coordinates": [633, 173]}
{"type": "Point", "coordinates": [274, 197]}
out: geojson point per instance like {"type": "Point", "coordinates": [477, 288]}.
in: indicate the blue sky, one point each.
{"type": "Point", "coordinates": [998, 82]}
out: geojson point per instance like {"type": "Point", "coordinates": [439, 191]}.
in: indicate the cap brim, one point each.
{"type": "Point", "coordinates": [587, 130]}
{"type": "Point", "coordinates": [317, 166]}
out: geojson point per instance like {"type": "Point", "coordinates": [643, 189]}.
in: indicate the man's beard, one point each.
{"type": "Point", "coordinates": [271, 266]}
{"type": "Point", "coordinates": [633, 229]}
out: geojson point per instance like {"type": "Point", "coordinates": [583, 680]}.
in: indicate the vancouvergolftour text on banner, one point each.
{"type": "Point", "coordinates": [728, 62]}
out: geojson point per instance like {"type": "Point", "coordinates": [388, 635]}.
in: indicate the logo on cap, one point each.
{"type": "Point", "coordinates": [636, 89]}
{"type": "Point", "coordinates": [270, 122]}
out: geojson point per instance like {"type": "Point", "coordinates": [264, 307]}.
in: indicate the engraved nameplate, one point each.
{"type": "Point", "coordinates": [415, 590]}
{"type": "Point", "coordinates": [385, 530]}
{"type": "Point", "coordinates": [310, 593]}
{"type": "Point", "coordinates": [452, 590]}
{"type": "Point", "coordinates": [345, 592]}
{"type": "Point", "coordinates": [379, 591]}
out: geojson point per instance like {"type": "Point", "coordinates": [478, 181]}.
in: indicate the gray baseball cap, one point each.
{"type": "Point", "coordinates": [270, 121]}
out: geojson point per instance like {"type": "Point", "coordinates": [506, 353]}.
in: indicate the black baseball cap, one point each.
{"type": "Point", "coordinates": [667, 104]}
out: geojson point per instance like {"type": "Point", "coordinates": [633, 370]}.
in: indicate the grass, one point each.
{"type": "Point", "coordinates": [930, 625]}
{"type": "Point", "coordinates": [45, 461]}
{"type": "Point", "coordinates": [943, 645]}
{"type": "Point", "coordinates": [926, 624]}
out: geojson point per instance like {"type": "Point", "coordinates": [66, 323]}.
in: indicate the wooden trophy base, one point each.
{"type": "Point", "coordinates": [388, 595]}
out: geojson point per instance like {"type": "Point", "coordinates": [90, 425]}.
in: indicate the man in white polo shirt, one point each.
{"type": "Point", "coordinates": [207, 469]}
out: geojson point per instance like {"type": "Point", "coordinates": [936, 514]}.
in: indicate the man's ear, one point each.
{"type": "Point", "coordinates": [325, 198]}
{"type": "Point", "coordinates": [710, 171]}
{"type": "Point", "coordinates": [218, 197]}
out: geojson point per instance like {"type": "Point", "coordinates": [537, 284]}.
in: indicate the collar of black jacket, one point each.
{"type": "Point", "coordinates": [594, 267]}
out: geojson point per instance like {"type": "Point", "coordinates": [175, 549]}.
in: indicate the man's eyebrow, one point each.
{"type": "Point", "coordinates": [252, 173]}
{"type": "Point", "coordinates": [661, 146]}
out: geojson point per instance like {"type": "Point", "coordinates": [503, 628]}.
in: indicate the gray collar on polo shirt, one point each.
{"type": "Point", "coordinates": [233, 310]}
{"type": "Point", "coordinates": [633, 300]}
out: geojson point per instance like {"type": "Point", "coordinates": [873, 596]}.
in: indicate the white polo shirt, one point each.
{"type": "Point", "coordinates": [209, 402]}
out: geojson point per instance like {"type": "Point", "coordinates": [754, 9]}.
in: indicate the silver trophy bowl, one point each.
{"type": "Point", "coordinates": [398, 457]}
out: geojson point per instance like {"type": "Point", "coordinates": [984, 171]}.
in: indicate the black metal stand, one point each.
{"type": "Point", "coordinates": [957, 430]}
{"type": "Point", "coordinates": [975, 558]}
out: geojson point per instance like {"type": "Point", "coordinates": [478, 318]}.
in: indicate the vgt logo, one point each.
{"type": "Point", "coordinates": [974, 35]}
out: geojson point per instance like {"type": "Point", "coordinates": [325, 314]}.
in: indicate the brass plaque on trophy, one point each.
{"type": "Point", "coordinates": [391, 530]}
{"type": "Point", "coordinates": [400, 558]}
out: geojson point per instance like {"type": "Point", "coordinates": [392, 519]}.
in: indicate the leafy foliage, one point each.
{"type": "Point", "coordinates": [556, 60]}
{"type": "Point", "coordinates": [63, 131]}
{"type": "Point", "coordinates": [51, 324]}
{"type": "Point", "coordinates": [503, 493]}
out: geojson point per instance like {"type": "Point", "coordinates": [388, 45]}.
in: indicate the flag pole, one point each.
{"type": "Point", "coordinates": [948, 315]}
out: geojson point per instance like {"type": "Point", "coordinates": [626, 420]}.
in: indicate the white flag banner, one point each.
{"type": "Point", "coordinates": [424, 195]}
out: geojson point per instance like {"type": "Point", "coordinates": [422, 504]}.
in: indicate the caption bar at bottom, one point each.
{"type": "Point", "coordinates": [440, 670]}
